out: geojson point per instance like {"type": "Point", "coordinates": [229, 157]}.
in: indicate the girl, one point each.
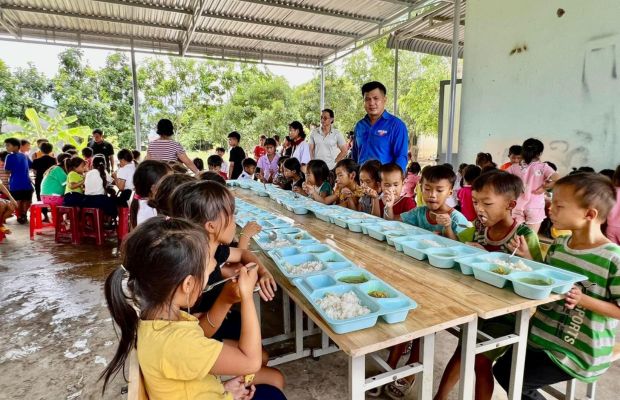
{"type": "Point", "coordinates": [317, 184]}
{"type": "Point", "coordinates": [279, 179]}
{"type": "Point", "coordinates": [161, 199]}
{"type": "Point", "coordinates": [301, 149]}
{"type": "Point", "coordinates": [464, 194]}
{"type": "Point", "coordinates": [54, 182]}
{"type": "Point", "coordinates": [164, 270]}
{"type": "Point", "coordinates": [74, 190]}
{"type": "Point", "coordinates": [347, 191]}
{"type": "Point", "coordinates": [292, 172]}
{"type": "Point", "coordinates": [145, 179]}
{"type": "Point", "coordinates": [370, 180]}
{"type": "Point", "coordinates": [537, 177]}
{"type": "Point", "coordinates": [412, 179]}
{"type": "Point", "coordinates": [123, 177]}
{"type": "Point", "coordinates": [613, 219]}
{"type": "Point", "coordinates": [96, 184]}
{"type": "Point", "coordinates": [485, 161]}
{"type": "Point", "coordinates": [211, 205]}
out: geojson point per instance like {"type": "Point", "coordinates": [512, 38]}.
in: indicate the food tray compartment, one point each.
{"type": "Point", "coordinates": [417, 246]}
{"type": "Point", "coordinates": [532, 285]}
{"type": "Point", "coordinates": [446, 257]}
{"type": "Point", "coordinates": [353, 276]}
{"type": "Point", "coordinates": [411, 231]}
{"type": "Point", "coordinates": [285, 264]}
{"type": "Point", "coordinates": [393, 308]}
{"type": "Point", "coordinates": [482, 272]}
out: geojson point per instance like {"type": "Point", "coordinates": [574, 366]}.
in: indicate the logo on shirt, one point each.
{"type": "Point", "coordinates": [538, 172]}
{"type": "Point", "coordinates": [382, 132]}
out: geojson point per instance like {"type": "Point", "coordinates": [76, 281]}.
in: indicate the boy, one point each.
{"type": "Point", "coordinates": [19, 183]}
{"type": "Point", "coordinates": [24, 147]}
{"type": "Point", "coordinates": [39, 153]}
{"type": "Point", "coordinates": [87, 155]}
{"type": "Point", "coordinates": [393, 203]}
{"type": "Point", "coordinates": [436, 215]}
{"type": "Point", "coordinates": [260, 150]}
{"type": "Point", "coordinates": [220, 151]}
{"type": "Point", "coordinates": [214, 163]}
{"type": "Point", "coordinates": [574, 337]}
{"type": "Point", "coordinates": [237, 155]}
{"type": "Point", "coordinates": [494, 196]}
{"type": "Point", "coordinates": [268, 163]}
{"type": "Point", "coordinates": [40, 165]}
{"type": "Point", "coordinates": [514, 154]}
{"type": "Point", "coordinates": [249, 168]}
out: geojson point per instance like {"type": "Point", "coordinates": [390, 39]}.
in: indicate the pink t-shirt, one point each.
{"type": "Point", "coordinates": [268, 167]}
{"type": "Point", "coordinates": [533, 176]}
{"type": "Point", "coordinates": [613, 219]}
{"type": "Point", "coordinates": [409, 186]}
{"type": "Point", "coordinates": [467, 204]}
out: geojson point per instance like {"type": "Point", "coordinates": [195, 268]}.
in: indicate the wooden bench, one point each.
{"type": "Point", "coordinates": [571, 386]}
{"type": "Point", "coordinates": [136, 390]}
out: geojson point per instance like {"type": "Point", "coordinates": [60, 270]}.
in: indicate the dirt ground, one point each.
{"type": "Point", "coordinates": [56, 335]}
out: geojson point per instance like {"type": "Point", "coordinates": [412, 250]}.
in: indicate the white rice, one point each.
{"type": "Point", "coordinates": [515, 266]}
{"type": "Point", "coordinates": [277, 244]}
{"type": "Point", "coordinates": [431, 243]}
{"type": "Point", "coordinates": [304, 268]}
{"type": "Point", "coordinates": [342, 307]}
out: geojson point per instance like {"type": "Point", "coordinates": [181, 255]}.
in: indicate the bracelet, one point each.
{"type": "Point", "coordinates": [209, 320]}
{"type": "Point", "coordinates": [241, 233]}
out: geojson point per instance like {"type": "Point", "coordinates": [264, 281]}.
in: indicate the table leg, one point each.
{"type": "Point", "coordinates": [425, 389]}
{"type": "Point", "coordinates": [286, 311]}
{"type": "Point", "coordinates": [518, 354]}
{"type": "Point", "coordinates": [299, 352]}
{"type": "Point", "coordinates": [357, 377]}
{"type": "Point", "coordinates": [468, 356]}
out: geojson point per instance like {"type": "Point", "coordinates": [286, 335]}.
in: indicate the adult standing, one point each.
{"type": "Point", "coordinates": [259, 150]}
{"type": "Point", "coordinates": [237, 155]}
{"type": "Point", "coordinates": [301, 150]}
{"type": "Point", "coordinates": [379, 135]}
{"type": "Point", "coordinates": [100, 146]}
{"type": "Point", "coordinates": [326, 142]}
{"type": "Point", "coordinates": [167, 150]}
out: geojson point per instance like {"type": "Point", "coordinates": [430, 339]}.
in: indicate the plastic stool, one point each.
{"type": "Point", "coordinates": [123, 223]}
{"type": "Point", "coordinates": [36, 221]}
{"type": "Point", "coordinates": [67, 225]}
{"type": "Point", "coordinates": [91, 225]}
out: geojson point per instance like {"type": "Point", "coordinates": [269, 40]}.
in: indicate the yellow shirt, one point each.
{"type": "Point", "coordinates": [175, 358]}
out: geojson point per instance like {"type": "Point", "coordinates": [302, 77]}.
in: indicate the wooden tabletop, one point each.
{"type": "Point", "coordinates": [403, 271]}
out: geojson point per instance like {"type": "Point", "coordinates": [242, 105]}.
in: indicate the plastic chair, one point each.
{"type": "Point", "coordinates": [67, 225]}
{"type": "Point", "coordinates": [123, 223]}
{"type": "Point", "coordinates": [36, 220]}
{"type": "Point", "coordinates": [91, 225]}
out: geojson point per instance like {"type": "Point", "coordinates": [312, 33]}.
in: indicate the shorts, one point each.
{"type": "Point", "coordinates": [22, 195]}
{"type": "Point", "coordinates": [53, 200]}
{"type": "Point", "coordinates": [530, 216]}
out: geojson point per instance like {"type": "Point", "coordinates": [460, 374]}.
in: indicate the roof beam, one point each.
{"type": "Point", "coordinates": [400, 2]}
{"type": "Point", "coordinates": [266, 38]}
{"type": "Point", "coordinates": [200, 6]}
{"type": "Point", "coordinates": [151, 6]}
{"type": "Point", "coordinates": [315, 10]}
{"type": "Point", "coordinates": [7, 23]}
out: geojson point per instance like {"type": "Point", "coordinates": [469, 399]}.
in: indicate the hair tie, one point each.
{"type": "Point", "coordinates": [137, 196]}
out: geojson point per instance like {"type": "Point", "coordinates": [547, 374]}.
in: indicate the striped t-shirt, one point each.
{"type": "Point", "coordinates": [580, 341]}
{"type": "Point", "coordinates": [165, 150]}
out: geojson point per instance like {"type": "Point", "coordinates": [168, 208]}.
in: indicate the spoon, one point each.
{"type": "Point", "coordinates": [272, 235]}
{"type": "Point", "coordinates": [211, 286]}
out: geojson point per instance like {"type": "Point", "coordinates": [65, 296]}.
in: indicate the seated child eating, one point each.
{"type": "Point", "coordinates": [347, 192]}
{"type": "Point", "coordinates": [574, 337]}
{"type": "Point", "coordinates": [370, 181]}
{"type": "Point", "coordinates": [317, 184]}
{"type": "Point", "coordinates": [394, 203]}
{"type": "Point", "coordinates": [294, 177]}
{"type": "Point", "coordinates": [249, 168]}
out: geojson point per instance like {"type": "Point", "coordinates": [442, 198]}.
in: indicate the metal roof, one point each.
{"type": "Point", "coordinates": [430, 31]}
{"type": "Point", "coordinates": [299, 32]}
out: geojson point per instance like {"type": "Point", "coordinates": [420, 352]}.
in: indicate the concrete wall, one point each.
{"type": "Point", "coordinates": [529, 73]}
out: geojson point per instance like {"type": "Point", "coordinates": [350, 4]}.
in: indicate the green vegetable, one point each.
{"type": "Point", "coordinates": [501, 270]}
{"type": "Point", "coordinates": [353, 279]}
{"type": "Point", "coordinates": [536, 281]}
{"type": "Point", "coordinates": [378, 294]}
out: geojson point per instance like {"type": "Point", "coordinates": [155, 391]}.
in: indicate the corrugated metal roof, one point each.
{"type": "Point", "coordinates": [431, 32]}
{"type": "Point", "coordinates": [302, 32]}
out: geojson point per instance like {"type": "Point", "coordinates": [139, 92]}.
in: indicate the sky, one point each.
{"type": "Point", "coordinates": [45, 58]}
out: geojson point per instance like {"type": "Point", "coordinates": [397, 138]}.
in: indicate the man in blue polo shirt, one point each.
{"type": "Point", "coordinates": [379, 135]}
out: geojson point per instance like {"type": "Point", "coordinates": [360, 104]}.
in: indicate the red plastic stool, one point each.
{"type": "Point", "coordinates": [36, 221]}
{"type": "Point", "coordinates": [91, 225]}
{"type": "Point", "coordinates": [123, 223]}
{"type": "Point", "coordinates": [67, 225]}
{"type": "Point", "coordinates": [2, 236]}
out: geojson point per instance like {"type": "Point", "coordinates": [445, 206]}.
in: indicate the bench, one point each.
{"type": "Point", "coordinates": [136, 390]}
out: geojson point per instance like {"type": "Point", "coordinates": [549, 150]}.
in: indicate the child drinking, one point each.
{"type": "Point", "coordinates": [412, 179]}
{"type": "Point", "coordinates": [268, 163]}
{"type": "Point", "coordinates": [574, 337]}
{"type": "Point", "coordinates": [293, 175]}
{"type": "Point", "coordinates": [279, 179]}
{"type": "Point", "coordinates": [145, 179]}
{"type": "Point", "coordinates": [464, 195]}
{"type": "Point", "coordinates": [347, 192]}
{"type": "Point", "coordinates": [164, 270]}
{"type": "Point", "coordinates": [436, 215]}
{"type": "Point", "coordinates": [613, 220]}
{"type": "Point", "coordinates": [370, 181]}
{"type": "Point", "coordinates": [74, 190]}
{"type": "Point", "coordinates": [537, 177]}
{"type": "Point", "coordinates": [393, 203]}
{"type": "Point", "coordinates": [249, 168]}
{"type": "Point", "coordinates": [317, 184]}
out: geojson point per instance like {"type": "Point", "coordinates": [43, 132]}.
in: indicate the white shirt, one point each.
{"type": "Point", "coordinates": [302, 153]}
{"type": "Point", "coordinates": [224, 167]}
{"type": "Point", "coordinates": [144, 211]}
{"type": "Point", "coordinates": [93, 185]}
{"type": "Point", "coordinates": [327, 147]}
{"type": "Point", "coordinates": [245, 175]}
{"type": "Point", "coordinates": [126, 173]}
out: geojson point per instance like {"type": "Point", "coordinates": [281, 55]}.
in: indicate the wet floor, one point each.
{"type": "Point", "coordinates": [56, 335]}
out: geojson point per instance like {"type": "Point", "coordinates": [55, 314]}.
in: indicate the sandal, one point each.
{"type": "Point", "coordinates": [399, 389]}
{"type": "Point", "coordinates": [374, 392]}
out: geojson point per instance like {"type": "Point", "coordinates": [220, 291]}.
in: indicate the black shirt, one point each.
{"type": "Point", "coordinates": [237, 155]}
{"type": "Point", "coordinates": [104, 148]}
{"type": "Point", "coordinates": [40, 165]}
{"type": "Point", "coordinates": [207, 300]}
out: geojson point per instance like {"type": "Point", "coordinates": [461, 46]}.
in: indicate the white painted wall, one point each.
{"type": "Point", "coordinates": [564, 89]}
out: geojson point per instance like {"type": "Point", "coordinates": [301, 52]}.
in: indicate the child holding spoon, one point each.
{"type": "Point", "coordinates": [392, 179]}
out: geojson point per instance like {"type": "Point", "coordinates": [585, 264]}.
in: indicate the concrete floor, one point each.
{"type": "Point", "coordinates": [56, 334]}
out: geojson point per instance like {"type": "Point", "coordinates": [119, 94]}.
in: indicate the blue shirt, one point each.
{"type": "Point", "coordinates": [386, 140]}
{"type": "Point", "coordinates": [19, 166]}
{"type": "Point", "coordinates": [420, 217]}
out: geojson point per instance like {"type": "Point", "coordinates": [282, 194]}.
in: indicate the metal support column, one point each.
{"type": "Point", "coordinates": [322, 86]}
{"type": "Point", "coordinates": [453, 76]}
{"type": "Point", "coordinates": [396, 81]}
{"type": "Point", "coordinates": [136, 100]}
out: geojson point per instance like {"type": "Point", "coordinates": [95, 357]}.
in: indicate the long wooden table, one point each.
{"type": "Point", "coordinates": [446, 299]}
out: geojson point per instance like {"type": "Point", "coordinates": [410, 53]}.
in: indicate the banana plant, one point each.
{"type": "Point", "coordinates": [56, 129]}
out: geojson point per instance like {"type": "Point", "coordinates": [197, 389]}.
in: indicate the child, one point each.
{"type": "Point", "coordinates": [160, 200]}
{"type": "Point", "coordinates": [347, 192]}
{"type": "Point", "coordinates": [136, 156]}
{"type": "Point", "coordinates": [40, 165]}
{"type": "Point", "coordinates": [4, 174]}
{"type": "Point", "coordinates": [279, 179]}
{"type": "Point", "coordinates": [164, 270]}
{"type": "Point", "coordinates": [19, 183]}
{"type": "Point", "coordinates": [292, 172]}
{"type": "Point", "coordinates": [370, 181]}
{"type": "Point", "coordinates": [212, 206]}
{"type": "Point", "coordinates": [436, 215]}
{"type": "Point", "coordinates": [145, 179]}
{"type": "Point", "coordinates": [613, 220]}
{"type": "Point", "coordinates": [7, 206]}
{"type": "Point", "coordinates": [237, 155]}
{"type": "Point", "coordinates": [574, 337]}
{"type": "Point", "coordinates": [214, 163]}
{"type": "Point", "coordinates": [268, 163]}
{"type": "Point", "coordinates": [54, 182]}
{"type": "Point", "coordinates": [537, 177]}
{"type": "Point", "coordinates": [393, 203]}
{"type": "Point", "coordinates": [249, 168]}
{"type": "Point", "coordinates": [470, 173]}
{"type": "Point", "coordinates": [220, 151]}
{"type": "Point", "coordinates": [419, 198]}
{"type": "Point", "coordinates": [87, 155]}
{"type": "Point", "coordinates": [39, 153]}
{"type": "Point", "coordinates": [317, 184]}
{"type": "Point", "coordinates": [485, 161]}
{"type": "Point", "coordinates": [96, 183]}
{"type": "Point", "coordinates": [199, 164]}
{"type": "Point", "coordinates": [211, 176]}
{"type": "Point", "coordinates": [412, 179]}
{"type": "Point", "coordinates": [24, 147]}
{"type": "Point", "coordinates": [514, 154]}
{"type": "Point", "coordinates": [74, 190]}
{"type": "Point", "coordinates": [494, 196]}
{"type": "Point", "coordinates": [123, 176]}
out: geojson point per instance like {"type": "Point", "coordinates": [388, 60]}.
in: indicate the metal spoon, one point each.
{"type": "Point", "coordinates": [211, 286]}
{"type": "Point", "coordinates": [272, 235]}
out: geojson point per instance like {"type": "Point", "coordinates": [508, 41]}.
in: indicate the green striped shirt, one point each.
{"type": "Point", "coordinates": [580, 341]}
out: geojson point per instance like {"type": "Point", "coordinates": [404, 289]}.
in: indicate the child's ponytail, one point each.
{"type": "Point", "coordinates": [147, 174]}
{"type": "Point", "coordinates": [532, 149]}
{"type": "Point", "coordinates": [99, 164]}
